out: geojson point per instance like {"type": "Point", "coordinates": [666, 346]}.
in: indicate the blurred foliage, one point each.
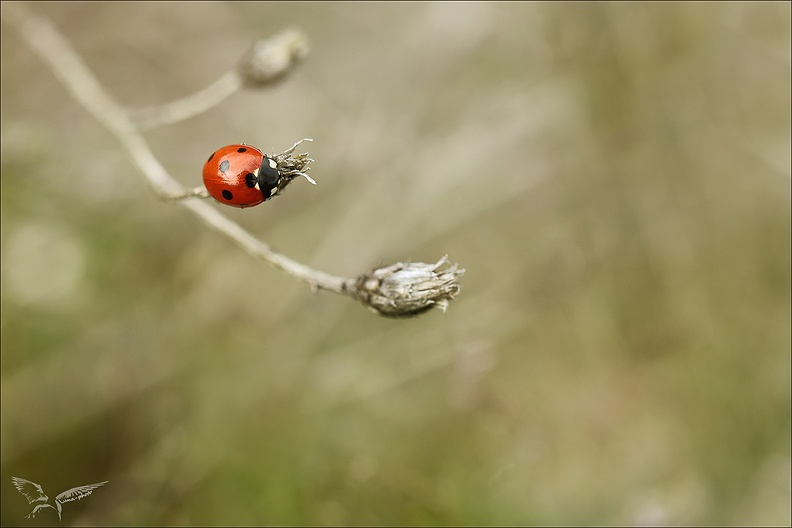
{"type": "Point", "coordinates": [615, 178]}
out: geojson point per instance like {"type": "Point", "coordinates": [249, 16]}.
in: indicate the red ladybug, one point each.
{"type": "Point", "coordinates": [240, 176]}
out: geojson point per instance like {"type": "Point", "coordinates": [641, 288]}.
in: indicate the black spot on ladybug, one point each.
{"type": "Point", "coordinates": [241, 149]}
{"type": "Point", "coordinates": [250, 180]}
{"type": "Point", "coordinates": [210, 157]}
{"type": "Point", "coordinates": [226, 193]}
{"type": "Point", "coordinates": [224, 166]}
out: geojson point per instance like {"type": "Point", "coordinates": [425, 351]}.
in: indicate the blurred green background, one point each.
{"type": "Point", "coordinates": [615, 178]}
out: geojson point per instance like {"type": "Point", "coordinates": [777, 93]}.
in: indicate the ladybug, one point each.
{"type": "Point", "coordinates": [240, 176]}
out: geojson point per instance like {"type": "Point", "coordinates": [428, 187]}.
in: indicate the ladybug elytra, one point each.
{"type": "Point", "coordinates": [240, 176]}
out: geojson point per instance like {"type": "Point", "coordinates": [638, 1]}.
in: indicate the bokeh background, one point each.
{"type": "Point", "coordinates": [614, 177]}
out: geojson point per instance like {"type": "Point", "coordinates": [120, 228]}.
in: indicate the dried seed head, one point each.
{"type": "Point", "coordinates": [268, 60]}
{"type": "Point", "coordinates": [290, 166]}
{"type": "Point", "coordinates": [406, 289]}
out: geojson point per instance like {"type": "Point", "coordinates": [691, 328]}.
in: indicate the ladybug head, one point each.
{"type": "Point", "coordinates": [268, 177]}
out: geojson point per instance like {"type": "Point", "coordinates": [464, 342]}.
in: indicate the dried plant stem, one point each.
{"type": "Point", "coordinates": [403, 289]}
{"type": "Point", "coordinates": [190, 106]}
{"type": "Point", "coordinates": [266, 62]}
{"type": "Point", "coordinates": [47, 42]}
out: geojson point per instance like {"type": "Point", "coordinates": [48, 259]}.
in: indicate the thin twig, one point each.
{"type": "Point", "coordinates": [266, 62]}
{"type": "Point", "coordinates": [190, 106]}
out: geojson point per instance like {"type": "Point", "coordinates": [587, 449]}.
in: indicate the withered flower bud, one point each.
{"type": "Point", "coordinates": [268, 60]}
{"type": "Point", "coordinates": [406, 289]}
{"type": "Point", "coordinates": [290, 166]}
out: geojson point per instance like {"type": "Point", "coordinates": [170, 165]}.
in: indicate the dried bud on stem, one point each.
{"type": "Point", "coordinates": [269, 59]}
{"type": "Point", "coordinates": [290, 166]}
{"type": "Point", "coordinates": [406, 289]}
